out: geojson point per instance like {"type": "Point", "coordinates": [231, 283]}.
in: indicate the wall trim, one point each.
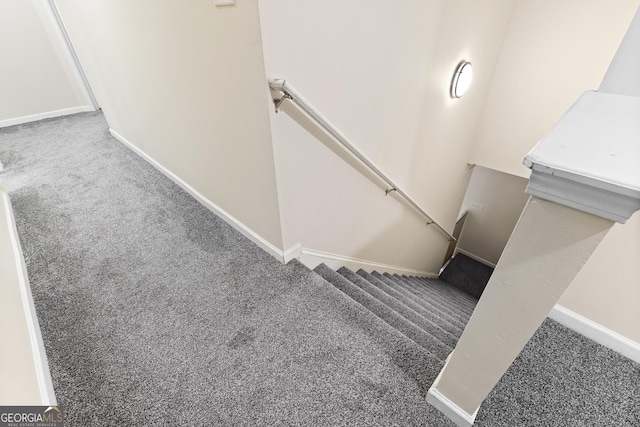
{"type": "Point", "coordinates": [72, 57]}
{"type": "Point", "coordinates": [596, 332]}
{"type": "Point", "coordinates": [312, 258]}
{"type": "Point", "coordinates": [452, 411]}
{"type": "Point", "coordinates": [309, 257]}
{"type": "Point", "coordinates": [579, 193]}
{"type": "Point", "coordinates": [475, 257]}
{"type": "Point", "coordinates": [226, 216]}
{"type": "Point", "coordinates": [294, 252]}
{"type": "Point", "coordinates": [45, 115]}
{"type": "Point", "coordinates": [41, 364]}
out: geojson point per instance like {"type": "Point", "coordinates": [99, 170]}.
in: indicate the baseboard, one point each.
{"type": "Point", "coordinates": [452, 411]}
{"type": "Point", "coordinates": [294, 252]}
{"type": "Point", "coordinates": [596, 332]}
{"type": "Point", "coordinates": [474, 257]}
{"type": "Point", "coordinates": [226, 216]}
{"type": "Point", "coordinates": [312, 258]}
{"type": "Point", "coordinates": [47, 115]}
{"type": "Point", "coordinates": [309, 257]}
{"type": "Point", "coordinates": [41, 364]}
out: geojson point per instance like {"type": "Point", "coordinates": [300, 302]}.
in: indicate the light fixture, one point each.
{"type": "Point", "coordinates": [461, 79]}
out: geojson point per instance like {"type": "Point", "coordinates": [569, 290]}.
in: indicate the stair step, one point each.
{"type": "Point", "coordinates": [414, 360]}
{"type": "Point", "coordinates": [467, 274]}
{"type": "Point", "coordinates": [434, 295]}
{"type": "Point", "coordinates": [455, 296]}
{"type": "Point", "coordinates": [450, 292]}
{"type": "Point", "coordinates": [408, 328]}
{"type": "Point", "coordinates": [399, 307]}
{"type": "Point", "coordinates": [446, 287]}
{"type": "Point", "coordinates": [427, 303]}
{"type": "Point", "coordinates": [453, 327]}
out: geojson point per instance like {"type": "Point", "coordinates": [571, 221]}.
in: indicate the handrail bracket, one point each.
{"type": "Point", "coordinates": [278, 102]}
{"type": "Point", "coordinates": [389, 190]}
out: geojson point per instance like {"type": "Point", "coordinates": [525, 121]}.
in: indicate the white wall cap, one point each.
{"type": "Point", "coordinates": [597, 145]}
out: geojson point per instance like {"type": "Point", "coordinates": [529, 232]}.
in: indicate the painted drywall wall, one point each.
{"type": "Point", "coordinates": [553, 51]}
{"type": "Point", "coordinates": [607, 289]}
{"type": "Point", "coordinates": [18, 379]}
{"type": "Point", "coordinates": [381, 73]}
{"type": "Point", "coordinates": [36, 78]}
{"type": "Point", "coordinates": [622, 75]}
{"type": "Point", "coordinates": [502, 197]}
{"type": "Point", "coordinates": [184, 82]}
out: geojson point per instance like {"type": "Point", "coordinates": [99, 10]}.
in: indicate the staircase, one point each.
{"type": "Point", "coordinates": [430, 312]}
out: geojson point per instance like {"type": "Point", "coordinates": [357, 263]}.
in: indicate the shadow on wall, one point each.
{"type": "Point", "coordinates": [494, 201]}
{"type": "Point", "coordinates": [382, 230]}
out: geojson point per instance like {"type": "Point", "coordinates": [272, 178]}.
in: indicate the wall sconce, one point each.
{"type": "Point", "coordinates": [461, 79]}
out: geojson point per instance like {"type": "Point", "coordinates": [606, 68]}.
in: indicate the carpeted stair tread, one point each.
{"type": "Point", "coordinates": [415, 361]}
{"type": "Point", "coordinates": [467, 274]}
{"type": "Point", "coordinates": [441, 292]}
{"type": "Point", "coordinates": [432, 295]}
{"type": "Point", "coordinates": [399, 307]}
{"type": "Point", "coordinates": [431, 344]}
{"type": "Point", "coordinates": [433, 315]}
{"type": "Point", "coordinates": [441, 284]}
{"type": "Point", "coordinates": [451, 294]}
{"type": "Point", "coordinates": [446, 287]}
{"type": "Point", "coordinates": [429, 304]}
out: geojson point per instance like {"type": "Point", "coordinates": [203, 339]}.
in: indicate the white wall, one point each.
{"type": "Point", "coordinates": [380, 71]}
{"type": "Point", "coordinates": [622, 75]}
{"type": "Point", "coordinates": [553, 51]}
{"type": "Point", "coordinates": [486, 232]}
{"type": "Point", "coordinates": [607, 290]}
{"type": "Point", "coordinates": [36, 78]}
{"type": "Point", "coordinates": [184, 82]}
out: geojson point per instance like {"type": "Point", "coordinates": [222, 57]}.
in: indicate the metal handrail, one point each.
{"type": "Point", "coordinates": [292, 94]}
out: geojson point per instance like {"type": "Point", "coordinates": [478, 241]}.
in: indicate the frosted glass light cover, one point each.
{"type": "Point", "coordinates": [461, 79]}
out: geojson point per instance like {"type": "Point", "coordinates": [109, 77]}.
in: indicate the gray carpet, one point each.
{"type": "Point", "coordinates": [155, 312]}
{"type": "Point", "coordinates": [467, 274]}
{"type": "Point", "coordinates": [564, 379]}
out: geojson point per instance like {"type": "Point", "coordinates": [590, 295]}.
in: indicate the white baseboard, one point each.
{"type": "Point", "coordinates": [452, 411]}
{"type": "Point", "coordinates": [475, 257]}
{"type": "Point", "coordinates": [312, 258]}
{"type": "Point", "coordinates": [226, 216]}
{"type": "Point", "coordinates": [47, 115]}
{"type": "Point", "coordinates": [309, 257]}
{"type": "Point", "coordinates": [294, 252]}
{"type": "Point", "coordinates": [41, 364]}
{"type": "Point", "coordinates": [596, 332]}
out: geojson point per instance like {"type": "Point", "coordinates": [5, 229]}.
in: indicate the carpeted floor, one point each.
{"type": "Point", "coordinates": [155, 312]}
{"type": "Point", "coordinates": [467, 274]}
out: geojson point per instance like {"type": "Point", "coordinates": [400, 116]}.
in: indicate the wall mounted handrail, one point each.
{"type": "Point", "coordinates": [292, 94]}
